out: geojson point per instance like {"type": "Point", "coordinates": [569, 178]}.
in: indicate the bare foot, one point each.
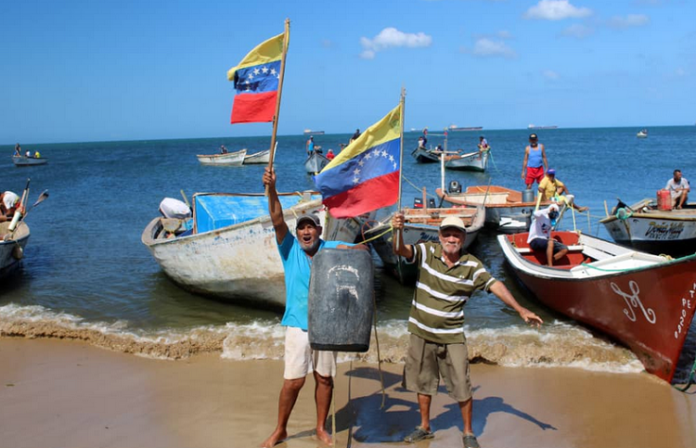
{"type": "Point", "coordinates": [324, 437]}
{"type": "Point", "coordinates": [274, 439]}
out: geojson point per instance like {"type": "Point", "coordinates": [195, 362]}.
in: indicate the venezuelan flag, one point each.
{"type": "Point", "coordinates": [365, 175]}
{"type": "Point", "coordinates": [256, 81]}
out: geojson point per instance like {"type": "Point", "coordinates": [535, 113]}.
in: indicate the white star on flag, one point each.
{"type": "Point", "coordinates": [384, 153]}
{"type": "Point", "coordinates": [251, 76]}
{"type": "Point", "coordinates": [361, 163]}
{"type": "Point", "coordinates": [391, 158]}
{"type": "Point", "coordinates": [273, 72]}
{"type": "Point", "coordinates": [356, 180]}
{"type": "Point", "coordinates": [265, 69]}
{"type": "Point", "coordinates": [257, 71]}
{"type": "Point", "coordinates": [368, 155]}
{"type": "Point", "coordinates": [356, 171]}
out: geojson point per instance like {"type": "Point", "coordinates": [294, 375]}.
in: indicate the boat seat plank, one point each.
{"type": "Point", "coordinates": [528, 250]}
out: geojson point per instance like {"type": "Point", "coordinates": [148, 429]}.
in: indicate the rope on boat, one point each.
{"type": "Point", "coordinates": [622, 214]}
{"type": "Point", "coordinates": [690, 380]}
{"type": "Point", "coordinates": [390, 229]}
{"type": "Point", "coordinates": [490, 156]}
{"type": "Point", "coordinates": [416, 187]}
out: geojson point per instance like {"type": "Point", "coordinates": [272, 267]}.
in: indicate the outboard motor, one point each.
{"type": "Point", "coordinates": [417, 203]}
{"type": "Point", "coordinates": [454, 187]}
{"type": "Point", "coordinates": [431, 203]}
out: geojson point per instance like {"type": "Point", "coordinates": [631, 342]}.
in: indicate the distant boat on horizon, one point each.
{"type": "Point", "coordinates": [532, 126]}
{"type": "Point", "coordinates": [311, 132]}
{"type": "Point", "coordinates": [455, 128]}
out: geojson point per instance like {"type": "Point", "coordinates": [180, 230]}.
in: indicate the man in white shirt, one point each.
{"type": "Point", "coordinates": [540, 235]}
{"type": "Point", "coordinates": [679, 188]}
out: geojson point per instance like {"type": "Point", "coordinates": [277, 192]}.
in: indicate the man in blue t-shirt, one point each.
{"type": "Point", "coordinates": [297, 252]}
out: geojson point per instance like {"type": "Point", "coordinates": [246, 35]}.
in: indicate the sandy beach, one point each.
{"type": "Point", "coordinates": [69, 394]}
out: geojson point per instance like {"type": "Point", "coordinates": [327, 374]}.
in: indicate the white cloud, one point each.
{"type": "Point", "coordinates": [631, 20]}
{"type": "Point", "coordinates": [487, 47]}
{"type": "Point", "coordinates": [550, 74]}
{"type": "Point", "coordinates": [390, 38]}
{"type": "Point", "coordinates": [556, 10]}
{"type": "Point", "coordinates": [577, 30]}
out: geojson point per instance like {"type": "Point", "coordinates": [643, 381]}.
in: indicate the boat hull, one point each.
{"type": "Point", "coordinates": [469, 162]}
{"type": "Point", "coordinates": [669, 232]}
{"type": "Point", "coordinates": [8, 251]}
{"type": "Point", "coordinates": [649, 309]}
{"type": "Point", "coordinates": [28, 161]}
{"type": "Point", "coordinates": [423, 155]}
{"type": "Point", "coordinates": [262, 157]}
{"type": "Point", "coordinates": [315, 163]}
{"type": "Point", "coordinates": [238, 263]}
{"type": "Point", "coordinates": [229, 159]}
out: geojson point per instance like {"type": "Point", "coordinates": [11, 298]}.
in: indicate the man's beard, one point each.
{"type": "Point", "coordinates": [312, 248]}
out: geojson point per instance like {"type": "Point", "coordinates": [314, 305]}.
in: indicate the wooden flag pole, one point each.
{"type": "Point", "coordinates": [286, 43]}
{"type": "Point", "coordinates": [402, 103]}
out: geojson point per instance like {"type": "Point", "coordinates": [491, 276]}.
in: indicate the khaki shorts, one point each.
{"type": "Point", "coordinates": [300, 359]}
{"type": "Point", "coordinates": [426, 362]}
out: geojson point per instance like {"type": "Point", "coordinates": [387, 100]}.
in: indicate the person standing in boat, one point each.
{"type": "Point", "coordinates": [483, 144]}
{"type": "Point", "coordinates": [296, 253]}
{"type": "Point", "coordinates": [310, 145]}
{"type": "Point", "coordinates": [679, 188]}
{"type": "Point", "coordinates": [552, 189]}
{"type": "Point", "coordinates": [535, 163]}
{"type": "Point", "coordinates": [223, 150]}
{"type": "Point", "coordinates": [447, 277]}
{"type": "Point", "coordinates": [540, 234]}
{"type": "Point", "coordinates": [9, 204]}
{"type": "Point", "coordinates": [330, 154]}
{"type": "Point", "coordinates": [18, 150]}
{"type": "Point", "coordinates": [355, 136]}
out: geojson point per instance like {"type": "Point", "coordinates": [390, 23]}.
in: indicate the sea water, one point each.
{"type": "Point", "coordinates": [87, 276]}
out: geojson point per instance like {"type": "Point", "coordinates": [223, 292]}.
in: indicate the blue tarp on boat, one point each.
{"type": "Point", "coordinates": [216, 211]}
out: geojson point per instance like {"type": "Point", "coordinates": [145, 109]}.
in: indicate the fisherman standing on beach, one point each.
{"type": "Point", "coordinates": [447, 277]}
{"type": "Point", "coordinates": [297, 252]}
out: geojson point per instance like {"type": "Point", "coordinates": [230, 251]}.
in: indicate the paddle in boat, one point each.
{"type": "Point", "coordinates": [654, 226]}
{"type": "Point", "coordinates": [28, 161]}
{"type": "Point", "coordinates": [227, 159]}
{"type": "Point", "coordinates": [645, 301]}
{"type": "Point", "coordinates": [227, 249]}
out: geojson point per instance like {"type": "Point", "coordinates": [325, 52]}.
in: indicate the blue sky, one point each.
{"type": "Point", "coordinates": [129, 70]}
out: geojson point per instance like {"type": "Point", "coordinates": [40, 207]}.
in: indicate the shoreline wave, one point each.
{"type": "Point", "coordinates": [555, 345]}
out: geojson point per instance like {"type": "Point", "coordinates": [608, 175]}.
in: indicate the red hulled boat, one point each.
{"type": "Point", "coordinates": [645, 301]}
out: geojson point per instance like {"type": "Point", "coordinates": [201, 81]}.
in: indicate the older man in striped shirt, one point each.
{"type": "Point", "coordinates": [447, 276]}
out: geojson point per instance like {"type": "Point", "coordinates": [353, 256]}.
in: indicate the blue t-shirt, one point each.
{"type": "Point", "coordinates": [297, 266]}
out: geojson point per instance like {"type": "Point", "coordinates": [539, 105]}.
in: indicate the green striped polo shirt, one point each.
{"type": "Point", "coordinates": [437, 310]}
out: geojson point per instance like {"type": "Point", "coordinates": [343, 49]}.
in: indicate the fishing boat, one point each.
{"type": "Point", "coordinates": [227, 159]}
{"type": "Point", "coordinates": [421, 225]}
{"type": "Point", "coordinates": [315, 162]}
{"type": "Point", "coordinates": [507, 210]}
{"type": "Point", "coordinates": [645, 227]}
{"type": "Point", "coordinates": [228, 248]}
{"type": "Point", "coordinates": [424, 155]}
{"type": "Point", "coordinates": [643, 133]}
{"type": "Point", "coordinates": [28, 161]}
{"type": "Point", "coordinates": [645, 301]}
{"type": "Point", "coordinates": [12, 249]}
{"type": "Point", "coordinates": [473, 161]}
{"type": "Point", "coordinates": [261, 157]}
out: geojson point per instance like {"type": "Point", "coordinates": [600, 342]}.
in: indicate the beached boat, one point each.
{"type": "Point", "coordinates": [645, 227]}
{"type": "Point", "coordinates": [423, 155]}
{"type": "Point", "coordinates": [506, 211]}
{"type": "Point", "coordinates": [11, 250]}
{"type": "Point", "coordinates": [315, 162]}
{"type": "Point", "coordinates": [257, 158]}
{"type": "Point", "coordinates": [473, 161]}
{"type": "Point", "coordinates": [422, 224]}
{"type": "Point", "coordinates": [228, 249]}
{"type": "Point", "coordinates": [642, 133]}
{"type": "Point", "coordinates": [228, 159]}
{"type": "Point", "coordinates": [28, 161]}
{"type": "Point", "coordinates": [644, 301]}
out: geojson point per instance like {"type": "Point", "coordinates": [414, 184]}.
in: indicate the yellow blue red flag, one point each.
{"type": "Point", "coordinates": [256, 80]}
{"type": "Point", "coordinates": [365, 175]}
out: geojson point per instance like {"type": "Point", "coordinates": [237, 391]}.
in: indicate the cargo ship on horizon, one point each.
{"type": "Point", "coordinates": [455, 128]}
{"type": "Point", "coordinates": [532, 126]}
{"type": "Point", "coordinates": [311, 132]}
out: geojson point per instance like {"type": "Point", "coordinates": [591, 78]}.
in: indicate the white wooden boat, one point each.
{"type": "Point", "coordinates": [229, 159]}
{"type": "Point", "coordinates": [642, 133]}
{"type": "Point", "coordinates": [28, 161]}
{"type": "Point", "coordinates": [422, 225]}
{"type": "Point", "coordinates": [473, 161]}
{"type": "Point", "coordinates": [506, 211]}
{"type": "Point", "coordinates": [315, 162]}
{"type": "Point", "coordinates": [423, 155]}
{"type": "Point", "coordinates": [646, 228]}
{"type": "Point", "coordinates": [643, 300]}
{"type": "Point", "coordinates": [11, 250]}
{"type": "Point", "coordinates": [230, 250]}
{"type": "Point", "coordinates": [258, 158]}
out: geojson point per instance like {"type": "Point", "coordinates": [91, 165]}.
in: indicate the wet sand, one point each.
{"type": "Point", "coordinates": [69, 394]}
